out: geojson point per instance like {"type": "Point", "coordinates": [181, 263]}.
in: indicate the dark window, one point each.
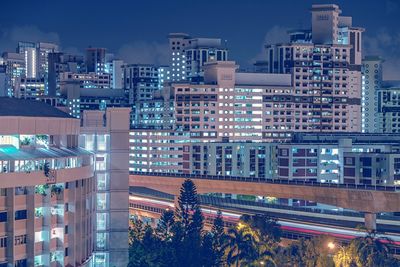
{"type": "Point", "coordinates": [350, 172]}
{"type": "Point", "coordinates": [3, 216]}
{"type": "Point", "coordinates": [21, 263]}
{"type": "Point", "coordinates": [20, 215]}
{"type": "Point", "coordinates": [366, 173]}
{"type": "Point", "coordinates": [366, 161]}
{"type": "Point", "coordinates": [20, 240]}
{"type": "Point", "coordinates": [3, 242]}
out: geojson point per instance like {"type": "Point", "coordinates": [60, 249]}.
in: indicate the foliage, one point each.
{"type": "Point", "coordinates": [41, 189]}
{"type": "Point", "coordinates": [180, 240]}
{"type": "Point", "coordinates": [26, 141]}
{"type": "Point", "coordinates": [241, 246]}
{"type": "Point", "coordinates": [56, 190]}
{"type": "Point", "coordinates": [218, 240]}
{"type": "Point", "coordinates": [165, 225]}
{"type": "Point", "coordinates": [46, 169]}
{"type": "Point", "coordinates": [367, 251]}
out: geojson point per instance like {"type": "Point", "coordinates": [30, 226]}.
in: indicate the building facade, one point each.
{"type": "Point", "coordinates": [47, 187]}
{"type": "Point", "coordinates": [388, 107]}
{"type": "Point", "coordinates": [143, 83]}
{"type": "Point", "coordinates": [371, 83]}
{"type": "Point", "coordinates": [59, 63]}
{"type": "Point", "coordinates": [372, 159]}
{"type": "Point", "coordinates": [188, 55]}
{"type": "Point", "coordinates": [15, 68]}
{"type": "Point", "coordinates": [95, 60]}
{"type": "Point", "coordinates": [106, 134]}
{"type": "Point", "coordinates": [30, 88]}
{"type": "Point", "coordinates": [342, 158]}
{"type": "Point", "coordinates": [157, 151]}
{"type": "Point", "coordinates": [326, 70]}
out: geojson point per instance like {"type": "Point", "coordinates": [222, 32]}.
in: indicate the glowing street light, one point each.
{"type": "Point", "coordinates": [331, 245]}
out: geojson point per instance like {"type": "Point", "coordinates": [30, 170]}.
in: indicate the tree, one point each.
{"type": "Point", "coordinates": [136, 231]}
{"type": "Point", "coordinates": [208, 255]}
{"type": "Point", "coordinates": [265, 229]}
{"type": "Point", "coordinates": [144, 246]}
{"type": "Point", "coordinates": [187, 202]}
{"type": "Point", "coordinates": [307, 253]}
{"type": "Point", "coordinates": [294, 254]}
{"type": "Point", "coordinates": [219, 240]}
{"type": "Point", "coordinates": [188, 229]}
{"type": "Point", "coordinates": [241, 247]}
{"type": "Point", "coordinates": [344, 257]}
{"type": "Point", "coordinates": [370, 251]}
{"type": "Point", "coordinates": [193, 239]}
{"type": "Point", "coordinates": [317, 252]}
{"type": "Point", "coordinates": [214, 244]}
{"type": "Point", "coordinates": [165, 225]}
{"type": "Point", "coordinates": [266, 234]}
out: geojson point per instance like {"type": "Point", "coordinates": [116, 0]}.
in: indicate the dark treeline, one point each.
{"type": "Point", "coordinates": [180, 240]}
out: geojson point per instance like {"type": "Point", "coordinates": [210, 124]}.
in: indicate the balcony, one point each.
{"type": "Point", "coordinates": [39, 222]}
{"type": "Point", "coordinates": [56, 220]}
{"type": "Point", "coordinates": [68, 164]}
{"type": "Point", "coordinates": [55, 264]}
{"type": "Point", "coordinates": [3, 228]}
{"type": "Point", "coordinates": [39, 247]}
{"type": "Point", "coordinates": [39, 200]}
{"type": "Point", "coordinates": [20, 200]}
{"type": "Point", "coordinates": [56, 243]}
{"type": "Point", "coordinates": [20, 250]}
{"type": "Point", "coordinates": [20, 225]}
{"type": "Point", "coordinates": [2, 202]}
{"type": "Point", "coordinates": [57, 198]}
{"type": "Point", "coordinates": [2, 254]}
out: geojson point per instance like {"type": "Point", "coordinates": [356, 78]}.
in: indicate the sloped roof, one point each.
{"type": "Point", "coordinates": [29, 108]}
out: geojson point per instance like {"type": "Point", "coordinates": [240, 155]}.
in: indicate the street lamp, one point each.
{"type": "Point", "coordinates": [331, 245]}
{"type": "Point", "coordinates": [262, 262]}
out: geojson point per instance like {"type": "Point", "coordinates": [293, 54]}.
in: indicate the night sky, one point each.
{"type": "Point", "coordinates": [136, 30]}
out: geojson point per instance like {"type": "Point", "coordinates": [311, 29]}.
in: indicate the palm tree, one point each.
{"type": "Point", "coordinates": [343, 257]}
{"type": "Point", "coordinates": [265, 229]}
{"type": "Point", "coordinates": [370, 251]}
{"type": "Point", "coordinates": [241, 247]}
{"type": "Point", "coordinates": [266, 234]}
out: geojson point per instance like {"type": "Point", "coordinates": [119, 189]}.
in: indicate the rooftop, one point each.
{"type": "Point", "coordinates": [29, 108]}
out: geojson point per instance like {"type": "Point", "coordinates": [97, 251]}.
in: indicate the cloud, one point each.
{"type": "Point", "coordinates": [144, 52]}
{"type": "Point", "coordinates": [10, 37]}
{"type": "Point", "coordinates": [385, 44]}
{"type": "Point", "coordinates": [276, 34]}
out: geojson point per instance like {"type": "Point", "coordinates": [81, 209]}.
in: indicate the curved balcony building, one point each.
{"type": "Point", "coordinates": [46, 187]}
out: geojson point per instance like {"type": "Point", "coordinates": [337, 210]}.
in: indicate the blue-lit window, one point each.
{"type": "Point", "coordinates": [21, 215]}
{"type": "Point", "coordinates": [3, 216]}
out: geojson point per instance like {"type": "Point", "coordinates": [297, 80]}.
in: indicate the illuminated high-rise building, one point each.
{"type": "Point", "coordinates": [188, 55]}
{"type": "Point", "coordinates": [325, 65]}
{"type": "Point", "coordinates": [95, 60]}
